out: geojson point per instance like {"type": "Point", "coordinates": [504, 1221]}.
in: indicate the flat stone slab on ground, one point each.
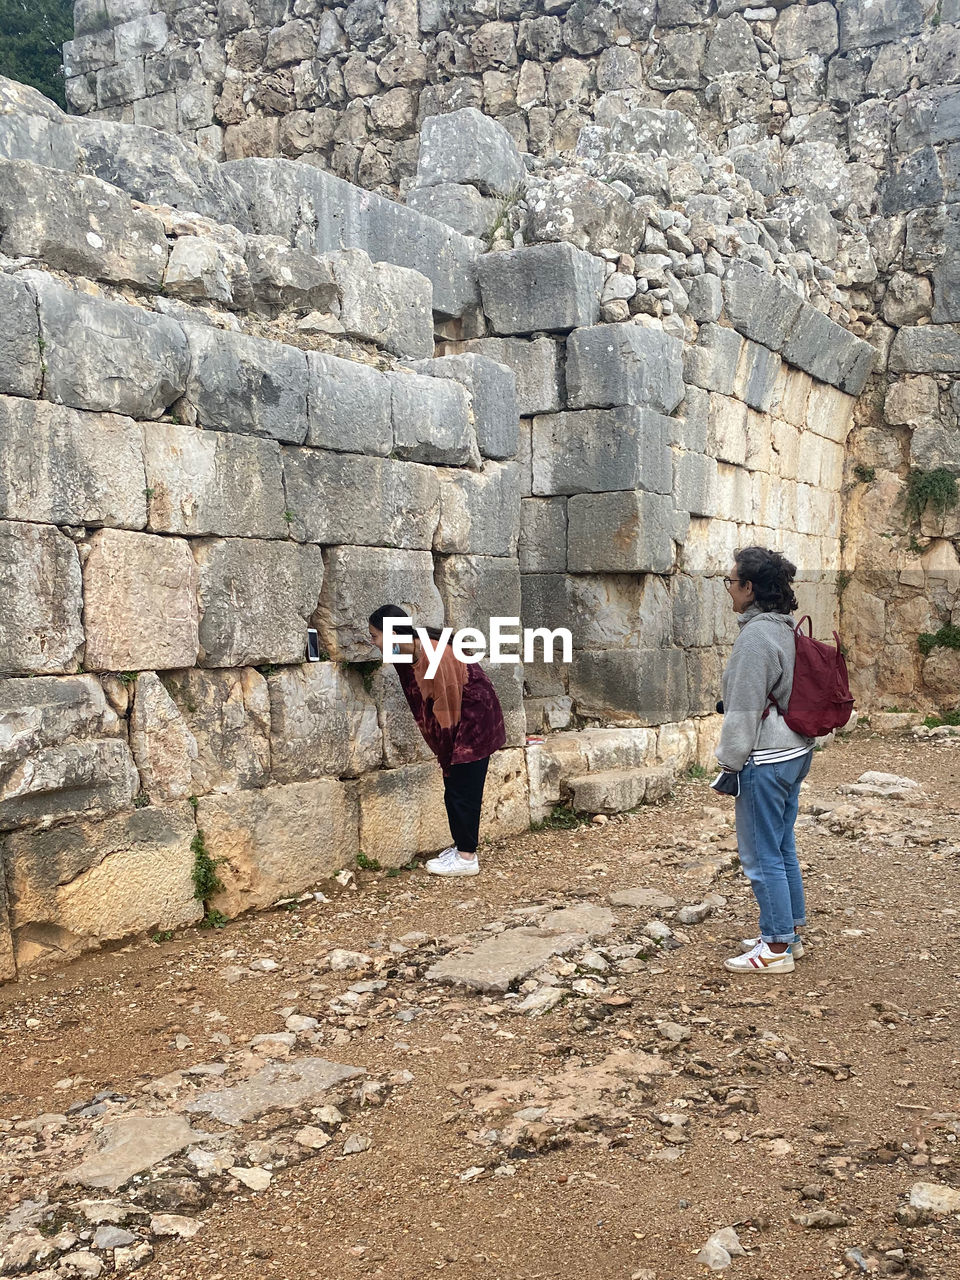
{"type": "Point", "coordinates": [131, 1145]}
{"type": "Point", "coordinates": [279, 1086]}
{"type": "Point", "coordinates": [584, 918]}
{"type": "Point", "coordinates": [642, 899]}
{"type": "Point", "coordinates": [504, 959]}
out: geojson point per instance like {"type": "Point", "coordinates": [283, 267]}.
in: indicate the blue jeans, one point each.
{"type": "Point", "coordinates": [766, 811]}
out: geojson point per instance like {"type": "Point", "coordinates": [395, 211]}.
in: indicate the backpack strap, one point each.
{"type": "Point", "coordinates": [798, 629]}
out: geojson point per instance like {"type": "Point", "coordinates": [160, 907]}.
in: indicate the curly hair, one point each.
{"type": "Point", "coordinates": [771, 575]}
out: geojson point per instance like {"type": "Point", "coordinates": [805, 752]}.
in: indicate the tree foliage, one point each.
{"type": "Point", "coordinates": [32, 33]}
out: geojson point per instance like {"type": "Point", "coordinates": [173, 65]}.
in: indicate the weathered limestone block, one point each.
{"type": "Point", "coordinates": [802, 31]}
{"type": "Point", "coordinates": [20, 371]}
{"type": "Point", "coordinates": [543, 287]}
{"type": "Point", "coordinates": [256, 600]}
{"type": "Point", "coordinates": [61, 466]}
{"type": "Point", "coordinates": [536, 365]}
{"type": "Point", "coordinates": [863, 26]}
{"type": "Point", "coordinates": [337, 498]}
{"type": "Point", "coordinates": [89, 52]}
{"type": "Point", "coordinates": [323, 723]}
{"type": "Point", "coordinates": [626, 532]}
{"type": "Point", "coordinates": [107, 356]}
{"type": "Point", "coordinates": [640, 686]}
{"type": "Point", "coordinates": [432, 420]}
{"type": "Point", "coordinates": [459, 206]}
{"type": "Point", "coordinates": [712, 363]}
{"type": "Point", "coordinates": [935, 446]}
{"type": "Point", "coordinates": [542, 544]}
{"type": "Point", "coordinates": [278, 842]}
{"type": "Point", "coordinates": [283, 276]}
{"type": "Point", "coordinates": [941, 677]}
{"type": "Point", "coordinates": [700, 612]}
{"type": "Point", "coordinates": [757, 372]}
{"type": "Point", "coordinates": [624, 364]}
{"type": "Point", "coordinates": [695, 483]}
{"type": "Point", "coordinates": [651, 129]}
{"type": "Point", "coordinates": [96, 776]}
{"type": "Point", "coordinates": [609, 611]}
{"type": "Point", "coordinates": [402, 741]}
{"type": "Point", "coordinates": [322, 213]}
{"type": "Point", "coordinates": [227, 714]}
{"type": "Point", "coordinates": [358, 580]}
{"type": "Point", "coordinates": [212, 482]}
{"type": "Point", "coordinates": [163, 746]}
{"type": "Point", "coordinates": [705, 298]}
{"type": "Point", "coordinates": [140, 35]}
{"type": "Point", "coordinates": [249, 385]}
{"type": "Point", "coordinates": [350, 406]}
{"type": "Point", "coordinates": [928, 348]}
{"type": "Point", "coordinates": [829, 413]}
{"type": "Point", "coordinates": [827, 351]}
{"type": "Point", "coordinates": [79, 225]}
{"type": "Point", "coordinates": [759, 305]}
{"type": "Point", "coordinates": [479, 510]}
{"type": "Point", "coordinates": [205, 268]}
{"type": "Point", "coordinates": [493, 394]}
{"type": "Point", "coordinates": [402, 813]}
{"type": "Point", "coordinates": [586, 212]}
{"type": "Point", "coordinates": [121, 84]}
{"type": "Point", "coordinates": [139, 602]}
{"type": "Point", "coordinates": [727, 430]}
{"type": "Point", "coordinates": [468, 147]}
{"type": "Point", "coordinates": [79, 885]}
{"type": "Point", "coordinates": [40, 586]}
{"type": "Point", "coordinates": [601, 450]}
{"type": "Point", "coordinates": [383, 303]}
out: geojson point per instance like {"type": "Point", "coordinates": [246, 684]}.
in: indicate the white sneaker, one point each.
{"type": "Point", "coordinates": [761, 960]}
{"type": "Point", "coordinates": [453, 863]}
{"type": "Point", "coordinates": [796, 948]}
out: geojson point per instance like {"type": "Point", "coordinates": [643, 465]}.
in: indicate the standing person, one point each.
{"type": "Point", "coordinates": [769, 757]}
{"type": "Point", "coordinates": [459, 714]}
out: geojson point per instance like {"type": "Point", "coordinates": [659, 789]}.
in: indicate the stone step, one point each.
{"type": "Point", "coordinates": [617, 790]}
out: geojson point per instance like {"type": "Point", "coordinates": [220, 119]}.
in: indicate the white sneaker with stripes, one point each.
{"type": "Point", "coordinates": [761, 960]}
{"type": "Point", "coordinates": [796, 948]}
{"type": "Point", "coordinates": [453, 863]}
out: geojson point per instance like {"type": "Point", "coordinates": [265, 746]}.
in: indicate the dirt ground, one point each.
{"type": "Point", "coordinates": [836, 1088]}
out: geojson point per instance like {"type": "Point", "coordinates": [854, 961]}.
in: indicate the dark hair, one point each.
{"type": "Point", "coordinates": [771, 574]}
{"type": "Point", "coordinates": [376, 620]}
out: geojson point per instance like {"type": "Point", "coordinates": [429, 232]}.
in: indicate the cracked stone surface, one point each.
{"type": "Point", "coordinates": [279, 1086]}
{"type": "Point", "coordinates": [502, 960]}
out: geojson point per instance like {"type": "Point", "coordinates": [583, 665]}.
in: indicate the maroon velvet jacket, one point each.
{"type": "Point", "coordinates": [480, 730]}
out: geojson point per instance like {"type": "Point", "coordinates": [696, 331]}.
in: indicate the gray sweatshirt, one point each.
{"type": "Point", "coordinates": [760, 666]}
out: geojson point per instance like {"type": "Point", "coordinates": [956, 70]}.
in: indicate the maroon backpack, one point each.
{"type": "Point", "coordinates": [820, 700]}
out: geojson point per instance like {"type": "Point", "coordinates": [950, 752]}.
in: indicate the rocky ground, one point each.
{"type": "Point", "coordinates": [539, 1072]}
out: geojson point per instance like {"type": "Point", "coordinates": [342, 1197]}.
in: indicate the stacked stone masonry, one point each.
{"type": "Point", "coordinates": [666, 282]}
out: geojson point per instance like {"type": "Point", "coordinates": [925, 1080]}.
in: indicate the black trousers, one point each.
{"type": "Point", "coordinates": [463, 796]}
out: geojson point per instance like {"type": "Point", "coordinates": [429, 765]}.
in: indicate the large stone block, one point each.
{"type": "Point", "coordinates": [33, 128]}
{"type": "Point", "coordinates": [278, 842]}
{"type": "Point", "coordinates": [282, 276]}
{"type": "Point", "coordinates": [40, 586]}
{"type": "Point", "coordinates": [349, 406]}
{"type": "Point", "coordinates": [383, 303]}
{"type": "Point", "coordinates": [403, 742]}
{"type": "Point", "coordinates": [620, 533]}
{"type": "Point", "coordinates": [935, 446]}
{"type": "Point", "coordinates": [609, 611]}
{"type": "Point", "coordinates": [249, 385]}
{"type": "Point", "coordinates": [323, 723]}
{"type": "Point", "coordinates": [107, 356]}
{"type": "Point", "coordinates": [586, 212]}
{"type": "Point", "coordinates": [459, 206]}
{"type": "Point", "coordinates": [652, 129]}
{"type": "Point", "coordinates": [601, 450]}
{"type": "Point", "coordinates": [479, 510]}
{"type": "Point", "coordinates": [758, 305]}
{"type": "Point", "coordinates": [536, 365]}
{"type": "Point", "coordinates": [695, 483]}
{"type": "Point", "coordinates": [712, 363]}
{"type": "Point", "coordinates": [61, 466]}
{"type": "Point", "coordinates": [20, 371]}
{"type": "Point", "coordinates": [624, 364]}
{"type": "Point", "coordinates": [727, 430]}
{"type": "Point", "coordinates": [79, 225]}
{"type": "Point", "coordinates": [928, 348]}
{"type": "Point", "coordinates": [432, 421]}
{"type": "Point", "coordinates": [256, 600]}
{"type": "Point", "coordinates": [402, 813]}
{"type": "Point", "coordinates": [866, 23]}
{"type": "Point", "coordinates": [468, 147]}
{"type": "Point", "coordinates": [162, 745]}
{"type": "Point", "coordinates": [639, 686]}
{"type": "Point", "coordinates": [541, 288]}
{"type": "Point", "coordinates": [82, 884]}
{"type": "Point", "coordinates": [228, 716]}
{"type": "Point", "coordinates": [756, 375]}
{"type": "Point", "coordinates": [542, 545]}
{"type": "Point", "coordinates": [827, 351]}
{"type": "Point", "coordinates": [337, 498]}
{"type": "Point", "coordinates": [358, 580]}
{"type": "Point", "coordinates": [322, 213]}
{"type": "Point", "coordinates": [506, 799]}
{"type": "Point", "coordinates": [476, 588]}
{"type": "Point", "coordinates": [96, 776]}
{"type": "Point", "coordinates": [212, 482]}
{"type": "Point", "coordinates": [156, 169]}
{"type": "Point", "coordinates": [139, 602]}
{"type": "Point", "coordinates": [493, 394]}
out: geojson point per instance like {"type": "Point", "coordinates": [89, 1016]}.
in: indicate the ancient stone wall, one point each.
{"type": "Point", "coordinates": [825, 135]}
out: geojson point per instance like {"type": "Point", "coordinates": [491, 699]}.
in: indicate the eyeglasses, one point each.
{"type": "Point", "coordinates": [728, 582]}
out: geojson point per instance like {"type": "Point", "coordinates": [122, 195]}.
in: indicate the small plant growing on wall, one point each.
{"type": "Point", "coordinates": [206, 882]}
{"type": "Point", "coordinates": [937, 489]}
{"type": "Point", "coordinates": [948, 637]}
